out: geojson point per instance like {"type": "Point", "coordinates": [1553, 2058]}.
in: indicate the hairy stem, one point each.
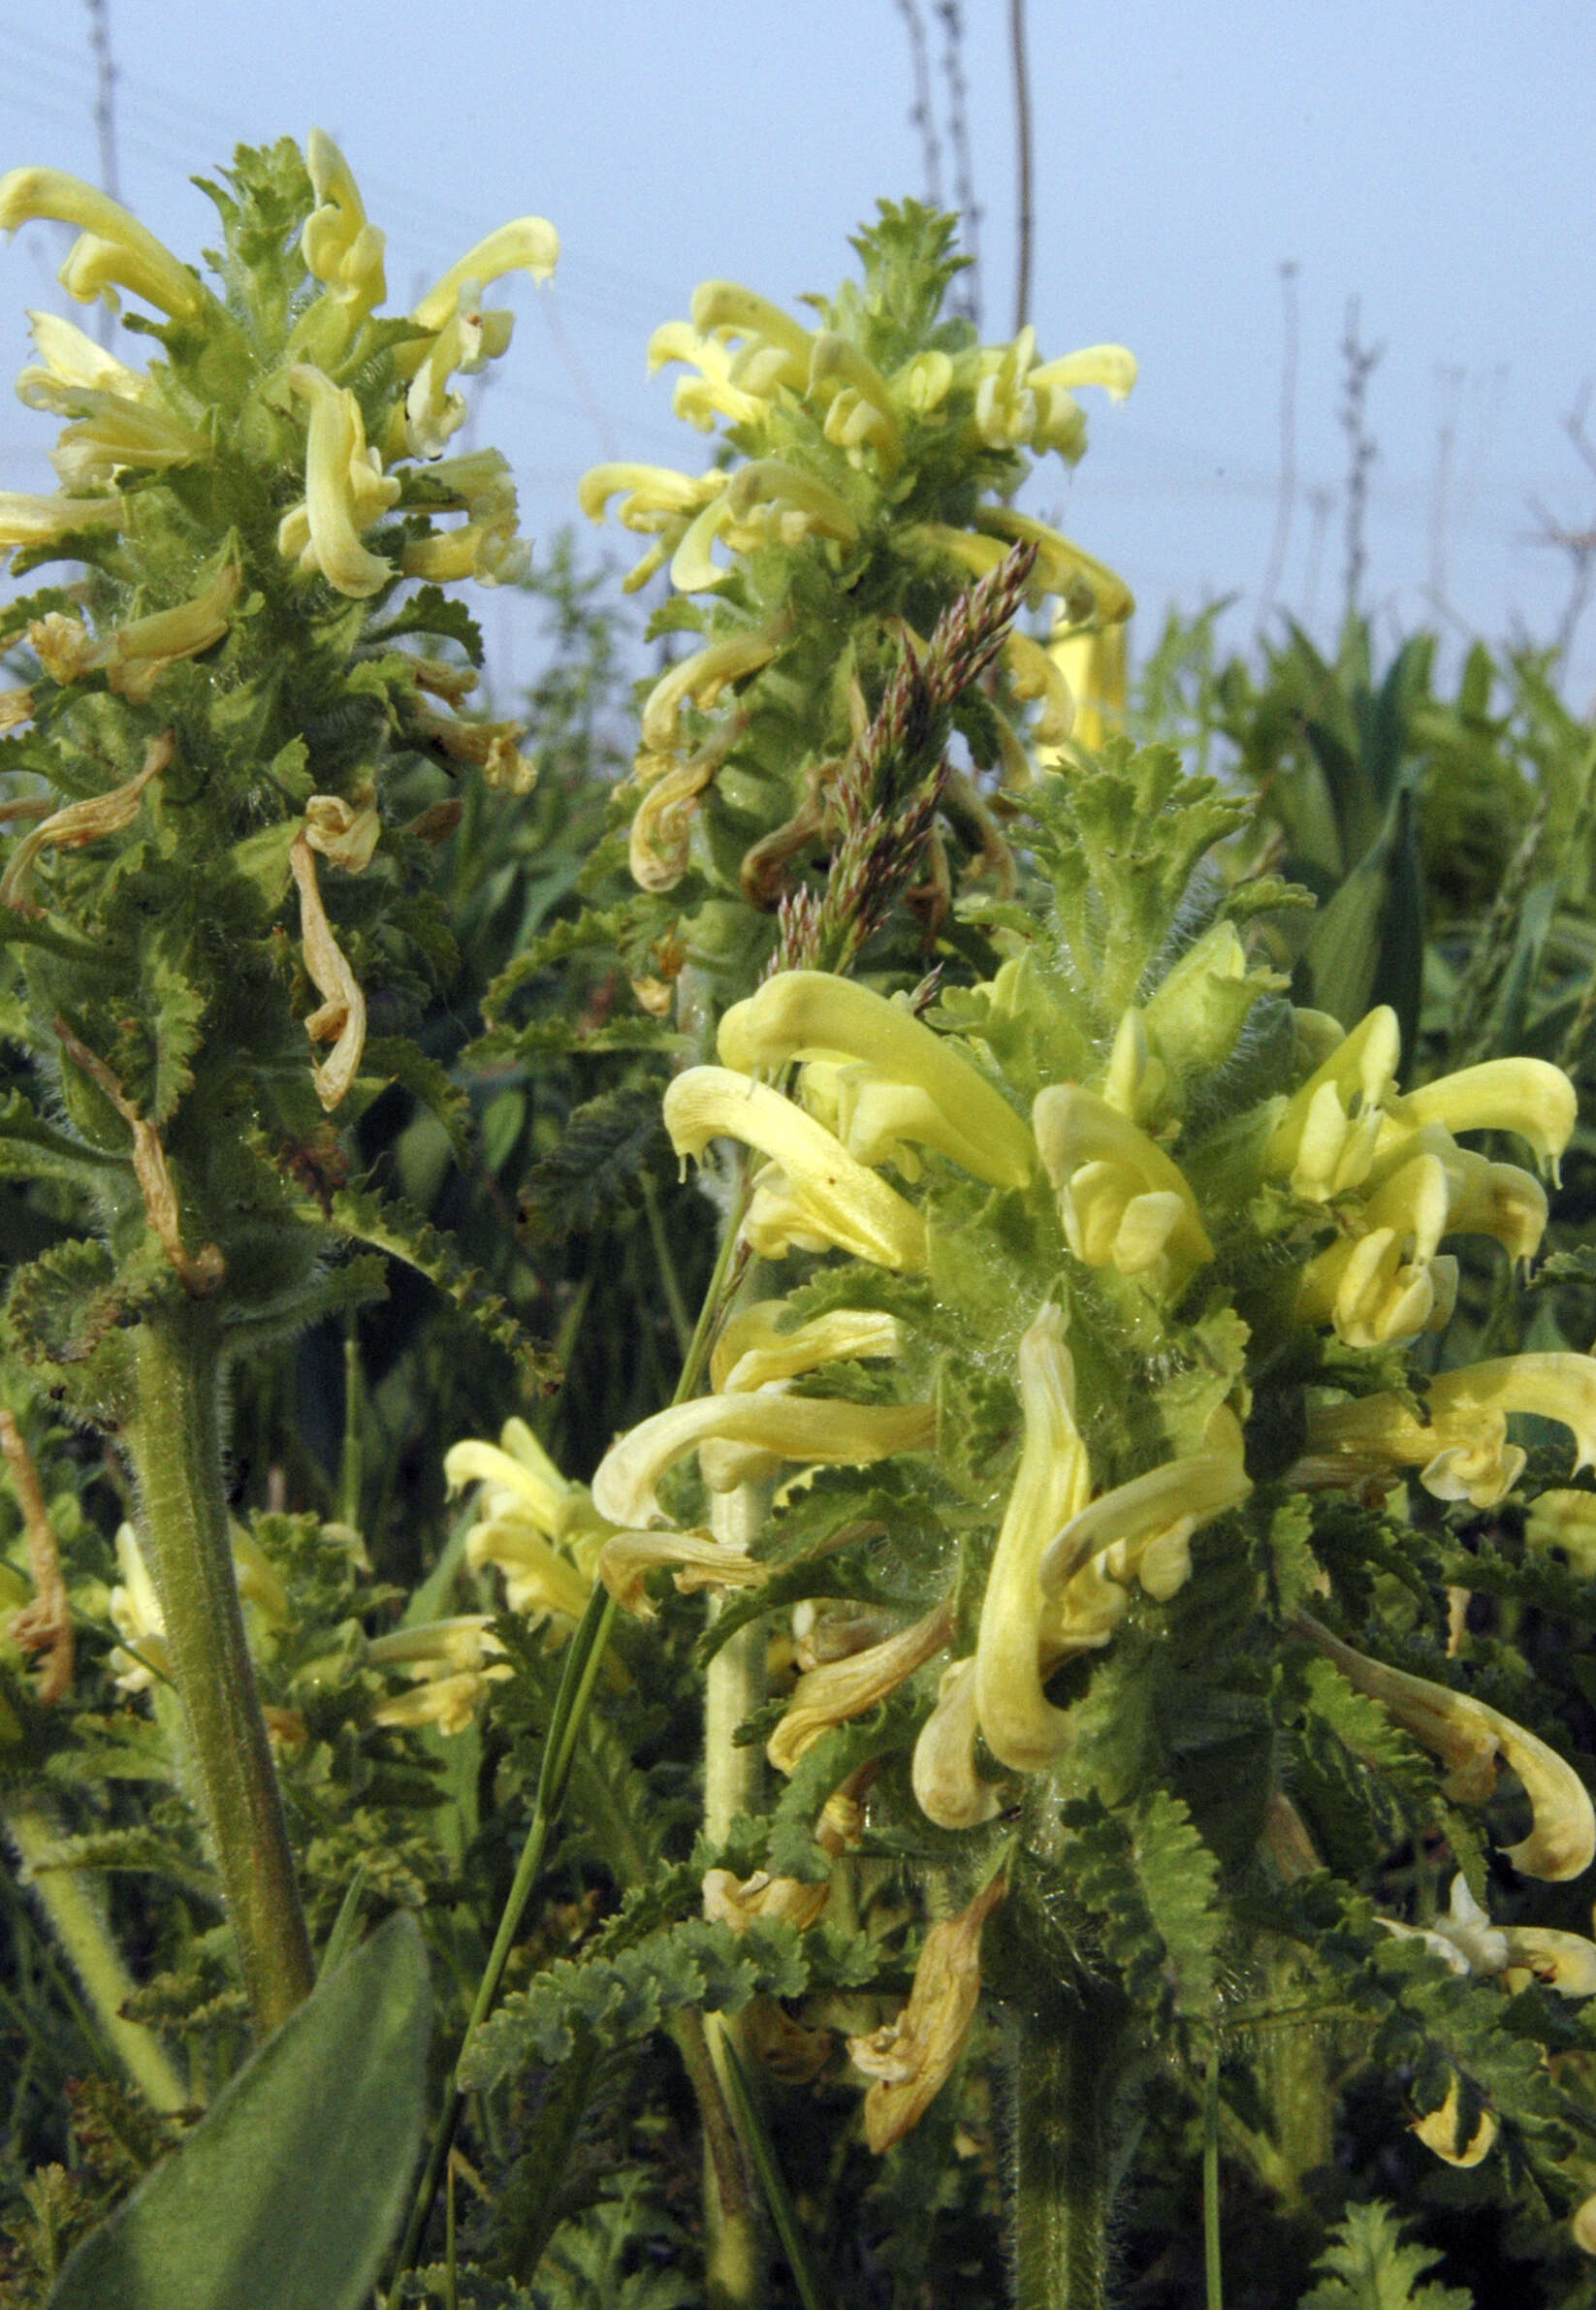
{"type": "Point", "coordinates": [175, 1443]}
{"type": "Point", "coordinates": [79, 1925]}
{"type": "Point", "coordinates": [1065, 2091]}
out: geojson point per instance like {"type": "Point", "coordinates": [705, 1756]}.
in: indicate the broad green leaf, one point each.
{"type": "Point", "coordinates": [285, 2196]}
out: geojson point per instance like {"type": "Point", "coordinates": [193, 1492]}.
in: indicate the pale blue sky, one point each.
{"type": "Point", "coordinates": [1435, 160]}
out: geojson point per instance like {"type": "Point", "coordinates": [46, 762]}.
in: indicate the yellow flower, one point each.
{"type": "Point", "coordinates": [526, 245]}
{"type": "Point", "coordinates": [776, 349]}
{"type": "Point", "coordinates": [454, 1664]}
{"type": "Point", "coordinates": [138, 652]}
{"type": "Point", "coordinates": [30, 523]}
{"type": "Point", "coordinates": [859, 402]}
{"type": "Point", "coordinates": [912, 2059]}
{"type": "Point", "coordinates": [72, 364]}
{"type": "Point", "coordinates": [815, 1195]}
{"type": "Point", "coordinates": [340, 1017]}
{"type": "Point", "coordinates": [1470, 1738]}
{"type": "Point", "coordinates": [755, 1347]}
{"type": "Point", "coordinates": [531, 1525]}
{"type": "Point", "coordinates": [696, 1560]}
{"type": "Point", "coordinates": [341, 249]}
{"type": "Point", "coordinates": [947, 1789]}
{"type": "Point", "coordinates": [701, 677]}
{"type": "Point", "coordinates": [1381, 1284]}
{"type": "Point", "coordinates": [345, 490]}
{"type": "Point", "coordinates": [762, 1429]}
{"type": "Point", "coordinates": [839, 1690]}
{"type": "Point", "coordinates": [1463, 1454]}
{"type": "Point", "coordinates": [1121, 1202]}
{"type": "Point", "coordinates": [1529, 1097]}
{"type": "Point", "coordinates": [1438, 2129]}
{"type": "Point", "coordinates": [1324, 1139]}
{"type": "Point", "coordinates": [710, 395]}
{"type": "Point", "coordinates": [1021, 1726]}
{"type": "Point", "coordinates": [656, 501]}
{"type": "Point", "coordinates": [1092, 665]}
{"type": "Point", "coordinates": [811, 1015]}
{"type": "Point", "coordinates": [1141, 1530]}
{"type": "Point", "coordinates": [113, 433]}
{"type": "Point", "coordinates": [112, 246]}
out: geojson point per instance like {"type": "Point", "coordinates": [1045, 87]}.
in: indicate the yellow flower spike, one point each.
{"type": "Point", "coordinates": [812, 1430]}
{"type": "Point", "coordinates": [29, 522]}
{"type": "Point", "coordinates": [70, 364]}
{"type": "Point", "coordinates": [1437, 2130]}
{"type": "Point", "coordinates": [814, 1016]}
{"type": "Point", "coordinates": [844, 1688]}
{"type": "Point", "coordinates": [1051, 1484]}
{"type": "Point", "coordinates": [1468, 1738]}
{"type": "Point", "coordinates": [112, 246]}
{"type": "Point", "coordinates": [947, 1789]}
{"type": "Point", "coordinates": [696, 1559]}
{"type": "Point", "coordinates": [725, 308]}
{"type": "Point", "coordinates": [912, 2059]}
{"type": "Point", "coordinates": [341, 248]}
{"type": "Point", "coordinates": [1377, 1286]}
{"type": "Point", "coordinates": [141, 652]}
{"type": "Point", "coordinates": [340, 1017]}
{"type": "Point", "coordinates": [1529, 1097]}
{"type": "Point", "coordinates": [1035, 674]}
{"type": "Point", "coordinates": [528, 245]}
{"type": "Point", "coordinates": [1156, 1512]}
{"type": "Point", "coordinates": [1324, 1140]}
{"type": "Point", "coordinates": [823, 1197]}
{"type": "Point", "coordinates": [521, 1479]}
{"type": "Point", "coordinates": [1122, 1201]}
{"type": "Point", "coordinates": [113, 433]}
{"type": "Point", "coordinates": [345, 490]}
{"type": "Point", "coordinates": [701, 677]}
{"type": "Point", "coordinates": [755, 1348]}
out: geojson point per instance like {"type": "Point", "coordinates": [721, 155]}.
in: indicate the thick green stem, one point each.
{"type": "Point", "coordinates": [1064, 2093]}
{"type": "Point", "coordinates": [79, 1925]}
{"type": "Point", "coordinates": [176, 1442]}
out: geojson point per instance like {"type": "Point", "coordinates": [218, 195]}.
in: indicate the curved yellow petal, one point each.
{"type": "Point", "coordinates": [1022, 1728]}
{"type": "Point", "coordinates": [801, 1428]}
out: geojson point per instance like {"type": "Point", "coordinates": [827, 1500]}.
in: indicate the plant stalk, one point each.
{"type": "Point", "coordinates": [79, 1928]}
{"type": "Point", "coordinates": [175, 1443]}
{"type": "Point", "coordinates": [1065, 2091]}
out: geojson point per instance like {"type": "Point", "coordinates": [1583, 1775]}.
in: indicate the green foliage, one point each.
{"type": "Point", "coordinates": [286, 2194]}
{"type": "Point", "coordinates": [1367, 2267]}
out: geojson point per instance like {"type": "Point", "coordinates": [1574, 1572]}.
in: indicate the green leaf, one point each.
{"type": "Point", "coordinates": [1367, 946]}
{"type": "Point", "coordinates": [1367, 2266]}
{"type": "Point", "coordinates": [369, 1218]}
{"type": "Point", "coordinates": [592, 1172]}
{"type": "Point", "coordinates": [285, 2196]}
{"type": "Point", "coordinates": [694, 1963]}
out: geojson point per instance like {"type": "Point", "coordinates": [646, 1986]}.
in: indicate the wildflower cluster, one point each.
{"type": "Point", "coordinates": [1139, 1263]}
{"type": "Point", "coordinates": [872, 458]}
